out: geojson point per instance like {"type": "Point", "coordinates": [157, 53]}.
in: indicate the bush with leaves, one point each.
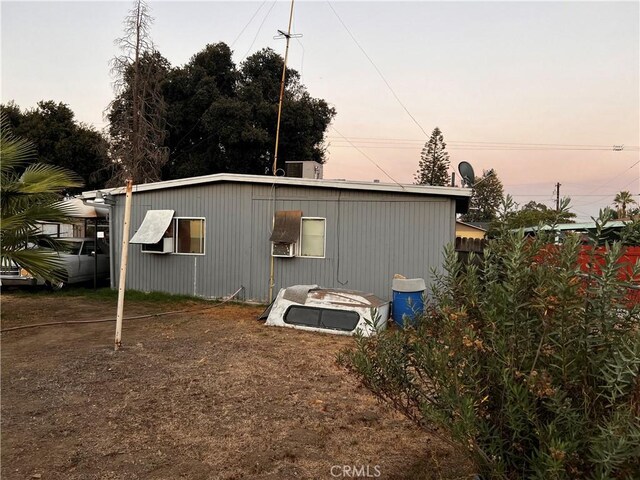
{"type": "Point", "coordinates": [528, 362]}
{"type": "Point", "coordinates": [630, 234]}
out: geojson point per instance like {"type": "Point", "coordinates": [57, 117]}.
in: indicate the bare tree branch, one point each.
{"type": "Point", "coordinates": [137, 115]}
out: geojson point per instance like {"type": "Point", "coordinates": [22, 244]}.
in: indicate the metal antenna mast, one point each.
{"type": "Point", "coordinates": [288, 37]}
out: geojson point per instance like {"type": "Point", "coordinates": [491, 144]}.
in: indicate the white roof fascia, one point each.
{"type": "Point", "coordinates": [297, 182]}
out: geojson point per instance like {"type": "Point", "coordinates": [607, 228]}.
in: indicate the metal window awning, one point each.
{"type": "Point", "coordinates": [153, 226]}
{"type": "Point", "coordinates": [286, 226]}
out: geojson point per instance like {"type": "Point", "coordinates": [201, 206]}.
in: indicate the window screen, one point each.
{"type": "Point", "coordinates": [190, 235]}
{"type": "Point", "coordinates": [312, 237]}
{"type": "Point", "coordinates": [322, 318]}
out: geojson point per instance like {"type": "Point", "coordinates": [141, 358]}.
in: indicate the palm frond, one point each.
{"type": "Point", "coordinates": [39, 262]}
{"type": "Point", "coordinates": [45, 178]}
{"type": "Point", "coordinates": [14, 151]}
{"type": "Point", "coordinates": [28, 199]}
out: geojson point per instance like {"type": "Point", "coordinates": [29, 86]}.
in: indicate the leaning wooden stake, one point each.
{"type": "Point", "coordinates": [123, 265]}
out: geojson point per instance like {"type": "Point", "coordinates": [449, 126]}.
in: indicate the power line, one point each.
{"type": "Point", "coordinates": [476, 148]}
{"type": "Point", "coordinates": [393, 141]}
{"type": "Point", "coordinates": [608, 195]}
{"type": "Point", "coordinates": [377, 69]}
{"type": "Point", "coordinates": [259, 29]}
{"type": "Point", "coordinates": [369, 158]}
{"type": "Point", "coordinates": [247, 24]}
{"type": "Point", "coordinates": [572, 195]}
{"type": "Point", "coordinates": [303, 52]}
{"type": "Point", "coordinates": [614, 178]}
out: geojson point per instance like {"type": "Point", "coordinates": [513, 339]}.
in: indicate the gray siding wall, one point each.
{"type": "Point", "coordinates": [369, 238]}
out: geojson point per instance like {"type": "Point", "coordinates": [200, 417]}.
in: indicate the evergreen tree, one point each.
{"type": "Point", "coordinates": [486, 198]}
{"type": "Point", "coordinates": [433, 168]}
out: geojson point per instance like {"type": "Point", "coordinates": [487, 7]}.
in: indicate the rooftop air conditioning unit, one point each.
{"type": "Point", "coordinates": [165, 245]}
{"type": "Point", "coordinates": [282, 249]}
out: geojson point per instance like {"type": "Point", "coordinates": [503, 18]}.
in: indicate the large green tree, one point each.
{"type": "Point", "coordinates": [30, 192]}
{"type": "Point", "coordinates": [486, 198]}
{"type": "Point", "coordinates": [534, 213]}
{"type": "Point", "coordinates": [433, 168]}
{"type": "Point", "coordinates": [223, 118]}
{"type": "Point", "coordinates": [60, 140]}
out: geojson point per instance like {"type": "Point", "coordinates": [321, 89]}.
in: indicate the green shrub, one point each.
{"type": "Point", "coordinates": [524, 360]}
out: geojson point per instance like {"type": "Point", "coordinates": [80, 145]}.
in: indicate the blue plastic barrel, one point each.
{"type": "Point", "coordinates": [408, 303]}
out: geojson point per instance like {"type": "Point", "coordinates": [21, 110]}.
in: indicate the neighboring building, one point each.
{"type": "Point", "coordinates": [610, 231]}
{"type": "Point", "coordinates": [468, 230]}
{"type": "Point", "coordinates": [218, 233]}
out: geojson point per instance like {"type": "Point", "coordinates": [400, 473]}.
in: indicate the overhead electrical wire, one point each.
{"type": "Point", "coordinates": [377, 70]}
{"type": "Point", "coordinates": [453, 142]}
{"type": "Point", "coordinates": [395, 95]}
{"type": "Point", "coordinates": [605, 195]}
{"type": "Point", "coordinates": [303, 52]}
{"type": "Point", "coordinates": [273, 4]}
{"type": "Point", "coordinates": [370, 159]}
{"type": "Point", "coordinates": [572, 195]}
{"type": "Point", "coordinates": [247, 24]}
{"type": "Point", "coordinates": [232, 44]}
{"type": "Point", "coordinates": [478, 148]}
{"type": "Point", "coordinates": [608, 182]}
{"type": "Point", "coordinates": [370, 142]}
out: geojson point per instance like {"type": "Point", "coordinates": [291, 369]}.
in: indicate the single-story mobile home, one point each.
{"type": "Point", "coordinates": [208, 236]}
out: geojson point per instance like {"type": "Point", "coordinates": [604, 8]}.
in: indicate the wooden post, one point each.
{"type": "Point", "coordinates": [123, 265]}
{"type": "Point", "coordinates": [282, 81]}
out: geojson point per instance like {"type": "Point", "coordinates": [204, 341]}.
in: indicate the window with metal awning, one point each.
{"type": "Point", "coordinates": [286, 232]}
{"type": "Point", "coordinates": [162, 232]}
{"type": "Point", "coordinates": [154, 227]}
{"type": "Point", "coordinates": [156, 232]}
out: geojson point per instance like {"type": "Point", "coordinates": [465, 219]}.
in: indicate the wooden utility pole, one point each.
{"type": "Point", "coordinates": [558, 197]}
{"type": "Point", "coordinates": [123, 264]}
{"type": "Point", "coordinates": [282, 82]}
{"type": "Point", "coordinates": [274, 168]}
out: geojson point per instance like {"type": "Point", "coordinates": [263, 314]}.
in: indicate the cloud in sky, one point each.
{"type": "Point", "coordinates": [537, 73]}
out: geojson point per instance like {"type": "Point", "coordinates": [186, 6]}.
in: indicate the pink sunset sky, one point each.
{"type": "Point", "coordinates": [539, 91]}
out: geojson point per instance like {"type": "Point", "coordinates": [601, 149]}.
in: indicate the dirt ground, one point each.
{"type": "Point", "coordinates": [209, 395]}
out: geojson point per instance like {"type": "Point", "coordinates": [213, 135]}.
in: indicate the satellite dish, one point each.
{"type": "Point", "coordinates": [466, 172]}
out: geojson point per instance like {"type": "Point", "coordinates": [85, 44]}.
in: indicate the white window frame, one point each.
{"type": "Point", "coordinates": [175, 236]}
{"type": "Point", "coordinates": [324, 238]}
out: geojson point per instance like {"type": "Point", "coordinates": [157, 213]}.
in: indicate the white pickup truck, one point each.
{"type": "Point", "coordinates": [78, 265]}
